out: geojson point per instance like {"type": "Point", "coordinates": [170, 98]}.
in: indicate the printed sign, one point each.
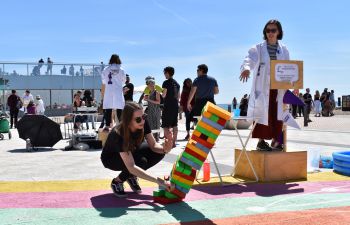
{"type": "Point", "coordinates": [286, 74]}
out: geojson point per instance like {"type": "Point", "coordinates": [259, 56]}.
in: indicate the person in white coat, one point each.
{"type": "Point", "coordinates": [265, 104]}
{"type": "Point", "coordinates": [113, 77]}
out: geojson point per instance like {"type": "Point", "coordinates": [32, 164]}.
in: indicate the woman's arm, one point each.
{"type": "Point", "coordinates": [129, 162]}
{"type": "Point", "coordinates": [161, 149]}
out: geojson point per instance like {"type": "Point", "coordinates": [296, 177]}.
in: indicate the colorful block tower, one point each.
{"type": "Point", "coordinates": [203, 138]}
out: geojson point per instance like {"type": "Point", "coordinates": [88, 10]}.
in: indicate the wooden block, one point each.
{"type": "Point", "coordinates": [102, 136]}
{"type": "Point", "coordinates": [179, 183]}
{"type": "Point", "coordinates": [190, 163]}
{"type": "Point", "coordinates": [183, 168]}
{"type": "Point", "coordinates": [195, 154]}
{"type": "Point", "coordinates": [199, 146]}
{"type": "Point", "coordinates": [273, 166]}
{"type": "Point", "coordinates": [178, 193]}
{"type": "Point", "coordinates": [183, 180]}
{"type": "Point", "coordinates": [202, 142]}
{"type": "Point", "coordinates": [222, 122]}
{"type": "Point", "coordinates": [211, 140]}
{"type": "Point", "coordinates": [187, 177]}
{"type": "Point", "coordinates": [170, 195]}
{"type": "Point", "coordinates": [206, 132]}
{"type": "Point", "coordinates": [220, 112]}
{"type": "Point", "coordinates": [159, 193]}
{"type": "Point", "coordinates": [182, 189]}
{"type": "Point", "coordinates": [214, 118]}
{"type": "Point", "coordinates": [192, 158]}
{"type": "Point", "coordinates": [212, 124]}
{"type": "Point", "coordinates": [166, 201]}
{"type": "Point", "coordinates": [197, 150]}
{"type": "Point", "coordinates": [209, 128]}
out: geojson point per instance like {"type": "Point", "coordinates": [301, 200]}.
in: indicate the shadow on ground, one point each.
{"type": "Point", "coordinates": [112, 207]}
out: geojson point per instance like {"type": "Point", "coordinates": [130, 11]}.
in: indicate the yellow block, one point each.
{"type": "Point", "coordinates": [182, 180]}
{"type": "Point", "coordinates": [210, 107]}
{"type": "Point", "coordinates": [207, 114]}
{"type": "Point", "coordinates": [197, 133]}
{"type": "Point", "coordinates": [197, 150]}
{"type": "Point", "coordinates": [209, 128]}
{"type": "Point", "coordinates": [210, 140]}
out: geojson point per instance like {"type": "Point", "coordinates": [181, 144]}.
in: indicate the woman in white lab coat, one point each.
{"type": "Point", "coordinates": [265, 104]}
{"type": "Point", "coordinates": [113, 77]}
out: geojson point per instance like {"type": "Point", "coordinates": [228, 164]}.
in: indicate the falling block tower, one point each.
{"type": "Point", "coordinates": [203, 138]}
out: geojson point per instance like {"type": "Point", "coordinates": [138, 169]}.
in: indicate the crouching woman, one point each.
{"type": "Point", "coordinates": [125, 150]}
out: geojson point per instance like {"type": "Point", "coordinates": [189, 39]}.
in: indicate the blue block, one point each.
{"type": "Point", "coordinates": [212, 124]}
{"type": "Point", "coordinates": [183, 190]}
{"type": "Point", "coordinates": [190, 163]}
{"type": "Point", "coordinates": [202, 147]}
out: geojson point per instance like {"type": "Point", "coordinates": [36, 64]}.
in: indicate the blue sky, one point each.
{"type": "Point", "coordinates": [152, 34]}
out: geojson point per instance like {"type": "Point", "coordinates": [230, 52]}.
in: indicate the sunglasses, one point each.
{"type": "Point", "coordinates": [140, 118]}
{"type": "Point", "coordinates": [274, 30]}
{"type": "Point", "coordinates": [110, 78]}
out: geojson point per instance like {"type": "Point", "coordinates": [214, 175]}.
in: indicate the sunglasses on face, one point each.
{"type": "Point", "coordinates": [140, 118]}
{"type": "Point", "coordinates": [273, 30]}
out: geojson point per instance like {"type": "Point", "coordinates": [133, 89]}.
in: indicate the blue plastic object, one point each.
{"type": "Point", "coordinates": [342, 162]}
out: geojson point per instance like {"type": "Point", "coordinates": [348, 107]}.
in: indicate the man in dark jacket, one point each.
{"type": "Point", "coordinates": [14, 103]}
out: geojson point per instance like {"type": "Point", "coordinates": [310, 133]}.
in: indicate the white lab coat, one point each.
{"type": "Point", "coordinates": [258, 106]}
{"type": "Point", "coordinates": [113, 97]}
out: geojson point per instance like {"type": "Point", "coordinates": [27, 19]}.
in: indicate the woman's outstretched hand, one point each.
{"type": "Point", "coordinates": [244, 76]}
{"type": "Point", "coordinates": [168, 142]}
{"type": "Point", "coordinates": [166, 184]}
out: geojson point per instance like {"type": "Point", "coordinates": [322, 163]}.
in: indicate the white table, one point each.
{"type": "Point", "coordinates": [244, 145]}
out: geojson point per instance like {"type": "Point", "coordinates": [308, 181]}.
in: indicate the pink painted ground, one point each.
{"type": "Point", "coordinates": [105, 199]}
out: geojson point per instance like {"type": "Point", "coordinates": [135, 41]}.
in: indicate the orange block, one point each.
{"type": "Point", "coordinates": [216, 110]}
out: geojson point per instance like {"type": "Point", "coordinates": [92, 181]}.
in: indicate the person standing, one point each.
{"type": "Point", "coordinates": [317, 103]}
{"type": "Point", "coordinates": [153, 108]}
{"type": "Point", "coordinates": [243, 105]}
{"type": "Point", "coordinates": [203, 90]}
{"type": "Point", "coordinates": [265, 104]}
{"type": "Point", "coordinates": [27, 97]}
{"type": "Point", "coordinates": [186, 89]}
{"type": "Point", "coordinates": [234, 103]}
{"type": "Point", "coordinates": [307, 108]}
{"type": "Point", "coordinates": [71, 70]}
{"type": "Point", "coordinates": [14, 103]}
{"type": "Point", "coordinates": [125, 150]}
{"type": "Point", "coordinates": [49, 66]}
{"type": "Point", "coordinates": [113, 77]}
{"type": "Point", "coordinates": [332, 99]}
{"type": "Point", "coordinates": [301, 107]}
{"type": "Point", "coordinates": [128, 89]}
{"type": "Point", "coordinates": [171, 95]}
{"type": "Point", "coordinates": [40, 106]}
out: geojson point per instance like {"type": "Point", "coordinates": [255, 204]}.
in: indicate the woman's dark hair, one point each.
{"type": "Point", "coordinates": [185, 87]}
{"type": "Point", "coordinates": [30, 104]}
{"type": "Point", "coordinates": [87, 93]}
{"type": "Point", "coordinates": [203, 68]}
{"type": "Point", "coordinates": [279, 27]}
{"type": "Point", "coordinates": [115, 59]}
{"type": "Point", "coordinates": [130, 141]}
{"type": "Point", "coordinates": [170, 70]}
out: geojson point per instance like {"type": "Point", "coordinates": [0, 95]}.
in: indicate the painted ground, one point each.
{"type": "Point", "coordinates": [323, 199]}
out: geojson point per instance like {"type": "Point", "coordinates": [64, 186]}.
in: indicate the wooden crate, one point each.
{"type": "Point", "coordinates": [272, 166]}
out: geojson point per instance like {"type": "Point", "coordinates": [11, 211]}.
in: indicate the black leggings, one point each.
{"type": "Point", "coordinates": [144, 157]}
{"type": "Point", "coordinates": [108, 116]}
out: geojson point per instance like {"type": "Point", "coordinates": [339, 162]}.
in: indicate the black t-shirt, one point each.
{"type": "Point", "coordinates": [173, 89]}
{"type": "Point", "coordinates": [114, 142]}
{"type": "Point", "coordinates": [129, 94]}
{"type": "Point", "coordinates": [309, 97]}
{"type": "Point", "coordinates": [88, 101]}
{"type": "Point", "coordinates": [205, 87]}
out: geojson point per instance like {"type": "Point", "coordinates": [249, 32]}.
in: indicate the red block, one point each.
{"type": "Point", "coordinates": [222, 122]}
{"type": "Point", "coordinates": [166, 201]}
{"type": "Point", "coordinates": [190, 178]}
{"type": "Point", "coordinates": [202, 142]}
{"type": "Point", "coordinates": [178, 193]}
{"type": "Point", "coordinates": [194, 154]}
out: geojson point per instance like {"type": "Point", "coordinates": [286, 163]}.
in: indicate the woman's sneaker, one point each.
{"type": "Point", "coordinates": [263, 146]}
{"type": "Point", "coordinates": [134, 184]}
{"type": "Point", "coordinates": [118, 189]}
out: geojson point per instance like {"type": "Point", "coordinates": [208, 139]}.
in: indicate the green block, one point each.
{"type": "Point", "coordinates": [159, 193]}
{"type": "Point", "coordinates": [192, 158]}
{"type": "Point", "coordinates": [188, 187]}
{"type": "Point", "coordinates": [206, 132]}
{"type": "Point", "coordinates": [170, 195]}
{"type": "Point", "coordinates": [214, 118]}
{"type": "Point", "coordinates": [183, 168]}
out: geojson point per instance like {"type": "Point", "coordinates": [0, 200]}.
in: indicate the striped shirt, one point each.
{"type": "Point", "coordinates": [272, 49]}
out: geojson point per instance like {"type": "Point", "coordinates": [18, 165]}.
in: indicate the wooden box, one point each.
{"type": "Point", "coordinates": [272, 166]}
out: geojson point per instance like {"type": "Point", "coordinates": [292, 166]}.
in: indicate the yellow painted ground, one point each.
{"type": "Point", "coordinates": [89, 185]}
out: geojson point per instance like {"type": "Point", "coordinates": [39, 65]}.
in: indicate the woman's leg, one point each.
{"type": "Point", "coordinates": [108, 117]}
{"type": "Point", "coordinates": [146, 158]}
